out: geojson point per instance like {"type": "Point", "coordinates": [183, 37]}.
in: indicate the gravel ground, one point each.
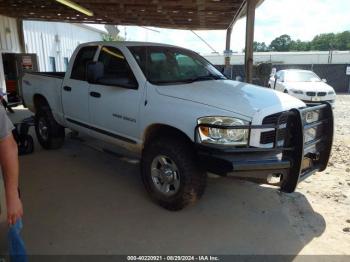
{"type": "Point", "coordinates": [328, 192]}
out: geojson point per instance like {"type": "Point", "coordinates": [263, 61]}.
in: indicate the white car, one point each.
{"type": "Point", "coordinates": [302, 84]}
{"type": "Point", "coordinates": [181, 116]}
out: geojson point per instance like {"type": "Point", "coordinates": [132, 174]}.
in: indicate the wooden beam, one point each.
{"type": "Point", "coordinates": [249, 39]}
{"type": "Point", "coordinates": [20, 33]}
{"type": "Point", "coordinates": [227, 53]}
{"type": "Point", "coordinates": [181, 14]}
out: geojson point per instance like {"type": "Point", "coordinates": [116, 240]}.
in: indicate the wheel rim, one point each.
{"type": "Point", "coordinates": [43, 129]}
{"type": "Point", "coordinates": [165, 175]}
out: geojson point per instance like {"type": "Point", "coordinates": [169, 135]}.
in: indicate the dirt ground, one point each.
{"type": "Point", "coordinates": [79, 200]}
{"type": "Point", "coordinates": [328, 192]}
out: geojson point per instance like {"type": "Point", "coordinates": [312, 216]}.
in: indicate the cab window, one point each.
{"type": "Point", "coordinates": [116, 70]}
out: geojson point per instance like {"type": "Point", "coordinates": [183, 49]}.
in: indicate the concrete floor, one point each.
{"type": "Point", "coordinates": [79, 200]}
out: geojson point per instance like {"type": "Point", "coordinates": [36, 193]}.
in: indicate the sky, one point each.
{"type": "Point", "coordinates": [301, 19]}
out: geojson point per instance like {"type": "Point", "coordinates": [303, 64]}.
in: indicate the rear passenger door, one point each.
{"type": "Point", "coordinates": [115, 98]}
{"type": "Point", "coordinates": [75, 90]}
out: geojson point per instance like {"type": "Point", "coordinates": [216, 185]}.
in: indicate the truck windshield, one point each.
{"type": "Point", "coordinates": [170, 65]}
{"type": "Point", "coordinates": [302, 76]}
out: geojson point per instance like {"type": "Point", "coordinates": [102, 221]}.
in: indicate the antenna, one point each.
{"type": "Point", "coordinates": [150, 29]}
{"type": "Point", "coordinates": [205, 42]}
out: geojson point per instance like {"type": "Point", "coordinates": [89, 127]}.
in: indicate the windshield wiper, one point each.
{"type": "Point", "coordinates": [190, 80]}
{"type": "Point", "coordinates": [204, 78]}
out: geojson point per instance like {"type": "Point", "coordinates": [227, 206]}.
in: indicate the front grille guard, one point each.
{"type": "Point", "coordinates": [294, 148]}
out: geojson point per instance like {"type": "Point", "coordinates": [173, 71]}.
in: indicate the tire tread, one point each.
{"type": "Point", "coordinates": [56, 138]}
{"type": "Point", "coordinates": [195, 178]}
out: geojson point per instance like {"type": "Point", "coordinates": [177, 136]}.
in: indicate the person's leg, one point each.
{"type": "Point", "coordinates": [3, 102]}
{"type": "Point", "coordinates": [9, 108]}
{"type": "Point", "coordinates": [6, 106]}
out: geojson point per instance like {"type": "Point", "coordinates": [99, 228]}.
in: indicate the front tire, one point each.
{"type": "Point", "coordinates": [170, 173]}
{"type": "Point", "coordinates": [50, 134]}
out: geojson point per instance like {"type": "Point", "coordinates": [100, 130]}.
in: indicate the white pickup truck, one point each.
{"type": "Point", "coordinates": [181, 116]}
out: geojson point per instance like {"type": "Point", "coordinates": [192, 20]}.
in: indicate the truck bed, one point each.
{"type": "Point", "coordinates": [45, 84]}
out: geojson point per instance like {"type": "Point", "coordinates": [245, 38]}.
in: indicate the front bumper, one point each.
{"type": "Point", "coordinates": [315, 100]}
{"type": "Point", "coordinates": [295, 160]}
{"type": "Point", "coordinates": [312, 103]}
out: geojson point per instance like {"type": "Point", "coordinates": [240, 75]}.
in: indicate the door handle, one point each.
{"type": "Point", "coordinates": [67, 88]}
{"type": "Point", "coordinates": [95, 94]}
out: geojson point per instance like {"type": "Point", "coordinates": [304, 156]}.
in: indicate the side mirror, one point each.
{"type": "Point", "coordinates": [324, 80]}
{"type": "Point", "coordinates": [94, 71]}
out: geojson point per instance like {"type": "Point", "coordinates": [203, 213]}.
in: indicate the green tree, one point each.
{"type": "Point", "coordinates": [323, 42]}
{"type": "Point", "coordinates": [109, 37]}
{"type": "Point", "coordinates": [300, 46]}
{"type": "Point", "coordinates": [342, 41]}
{"type": "Point", "coordinates": [281, 43]}
{"type": "Point", "coordinates": [260, 47]}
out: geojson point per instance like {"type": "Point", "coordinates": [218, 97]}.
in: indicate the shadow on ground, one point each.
{"type": "Point", "coordinates": [81, 201]}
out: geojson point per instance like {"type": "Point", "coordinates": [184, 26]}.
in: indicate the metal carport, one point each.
{"type": "Point", "coordinates": [182, 14]}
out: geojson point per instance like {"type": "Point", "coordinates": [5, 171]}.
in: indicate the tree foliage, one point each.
{"type": "Point", "coordinates": [109, 37]}
{"type": "Point", "coordinates": [322, 42]}
{"type": "Point", "coordinates": [300, 46]}
{"type": "Point", "coordinates": [342, 41]}
{"type": "Point", "coordinates": [260, 47]}
{"type": "Point", "coordinates": [281, 43]}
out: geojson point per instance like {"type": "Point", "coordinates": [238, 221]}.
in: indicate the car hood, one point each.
{"type": "Point", "coordinates": [310, 86]}
{"type": "Point", "coordinates": [240, 98]}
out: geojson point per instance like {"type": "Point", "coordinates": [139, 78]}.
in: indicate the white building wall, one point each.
{"type": "Point", "coordinates": [58, 40]}
{"type": "Point", "coordinates": [317, 57]}
{"type": "Point", "coordinates": [8, 42]}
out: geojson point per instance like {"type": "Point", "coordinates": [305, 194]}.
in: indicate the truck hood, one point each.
{"type": "Point", "coordinates": [237, 97]}
{"type": "Point", "coordinates": [309, 86]}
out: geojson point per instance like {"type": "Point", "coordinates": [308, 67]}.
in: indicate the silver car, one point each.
{"type": "Point", "coordinates": [303, 84]}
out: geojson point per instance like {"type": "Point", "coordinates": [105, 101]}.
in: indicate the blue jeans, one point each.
{"type": "Point", "coordinates": [17, 249]}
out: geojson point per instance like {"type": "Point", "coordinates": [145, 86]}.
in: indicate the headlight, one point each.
{"type": "Point", "coordinates": [331, 93]}
{"type": "Point", "coordinates": [223, 136]}
{"type": "Point", "coordinates": [297, 91]}
{"type": "Point", "coordinates": [310, 134]}
{"type": "Point", "coordinates": [312, 116]}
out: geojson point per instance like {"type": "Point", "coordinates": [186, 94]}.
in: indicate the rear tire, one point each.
{"type": "Point", "coordinates": [171, 164]}
{"type": "Point", "coordinates": [50, 134]}
{"type": "Point", "coordinates": [285, 91]}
